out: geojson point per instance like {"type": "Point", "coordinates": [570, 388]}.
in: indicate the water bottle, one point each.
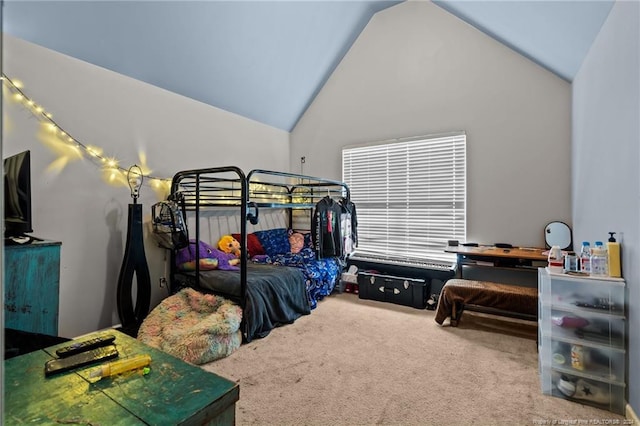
{"type": "Point", "coordinates": [585, 258]}
{"type": "Point", "coordinates": [599, 260]}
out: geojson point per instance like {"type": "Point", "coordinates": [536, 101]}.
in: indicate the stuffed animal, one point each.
{"type": "Point", "coordinates": [206, 264]}
{"type": "Point", "coordinates": [296, 241]}
{"type": "Point", "coordinates": [228, 244]}
{"type": "Point", "coordinates": [210, 258]}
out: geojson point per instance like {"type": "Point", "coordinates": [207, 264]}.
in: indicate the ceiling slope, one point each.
{"type": "Point", "coordinates": [555, 34]}
{"type": "Point", "coordinates": [267, 60]}
{"type": "Point", "coordinates": [264, 60]}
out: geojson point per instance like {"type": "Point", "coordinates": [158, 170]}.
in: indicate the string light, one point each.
{"type": "Point", "coordinates": [110, 166]}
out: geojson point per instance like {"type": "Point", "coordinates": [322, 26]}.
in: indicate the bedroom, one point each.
{"type": "Point", "coordinates": [541, 177]}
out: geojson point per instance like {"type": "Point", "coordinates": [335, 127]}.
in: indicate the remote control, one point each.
{"type": "Point", "coordinates": [78, 347]}
{"type": "Point", "coordinates": [60, 365]}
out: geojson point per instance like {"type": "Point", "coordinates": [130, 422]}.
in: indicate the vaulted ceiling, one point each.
{"type": "Point", "coordinates": [266, 60]}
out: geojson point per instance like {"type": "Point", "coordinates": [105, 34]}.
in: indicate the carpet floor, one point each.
{"type": "Point", "coordinates": [360, 362]}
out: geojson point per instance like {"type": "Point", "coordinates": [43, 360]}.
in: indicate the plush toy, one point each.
{"type": "Point", "coordinates": [210, 258]}
{"type": "Point", "coordinates": [206, 264]}
{"type": "Point", "coordinates": [228, 244]}
{"type": "Point", "coordinates": [296, 241]}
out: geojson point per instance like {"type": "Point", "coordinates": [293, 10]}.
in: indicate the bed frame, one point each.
{"type": "Point", "coordinates": [209, 191]}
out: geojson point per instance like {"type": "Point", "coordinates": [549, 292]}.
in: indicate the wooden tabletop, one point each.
{"type": "Point", "coordinates": [174, 392]}
{"type": "Point", "coordinates": [528, 253]}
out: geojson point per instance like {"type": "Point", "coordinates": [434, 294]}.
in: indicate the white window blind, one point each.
{"type": "Point", "coordinates": [410, 195]}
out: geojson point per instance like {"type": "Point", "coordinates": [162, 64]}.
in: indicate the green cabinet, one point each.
{"type": "Point", "coordinates": [31, 287]}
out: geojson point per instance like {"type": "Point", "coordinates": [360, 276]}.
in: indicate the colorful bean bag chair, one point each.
{"type": "Point", "coordinates": [193, 326]}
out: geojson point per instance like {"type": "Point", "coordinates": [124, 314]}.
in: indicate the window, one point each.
{"type": "Point", "coordinates": [410, 195]}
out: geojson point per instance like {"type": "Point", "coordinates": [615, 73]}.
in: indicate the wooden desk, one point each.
{"type": "Point", "coordinates": [517, 258]}
{"type": "Point", "coordinates": [173, 393]}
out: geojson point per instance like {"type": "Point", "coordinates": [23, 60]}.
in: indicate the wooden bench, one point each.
{"type": "Point", "coordinates": [488, 297]}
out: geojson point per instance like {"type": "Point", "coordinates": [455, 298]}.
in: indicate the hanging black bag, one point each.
{"type": "Point", "coordinates": [169, 226]}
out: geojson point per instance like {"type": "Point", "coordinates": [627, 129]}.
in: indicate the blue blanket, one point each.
{"type": "Point", "coordinates": [275, 295]}
{"type": "Point", "coordinates": [321, 275]}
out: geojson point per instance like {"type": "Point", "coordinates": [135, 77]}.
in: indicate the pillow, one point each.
{"type": "Point", "coordinates": [254, 248]}
{"type": "Point", "coordinates": [274, 241]}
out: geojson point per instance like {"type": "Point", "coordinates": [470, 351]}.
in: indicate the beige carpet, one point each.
{"type": "Point", "coordinates": [358, 362]}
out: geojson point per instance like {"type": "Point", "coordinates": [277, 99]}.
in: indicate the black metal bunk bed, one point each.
{"type": "Point", "coordinates": [229, 189]}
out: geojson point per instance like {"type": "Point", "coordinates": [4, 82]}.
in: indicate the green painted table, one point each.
{"type": "Point", "coordinates": [173, 393]}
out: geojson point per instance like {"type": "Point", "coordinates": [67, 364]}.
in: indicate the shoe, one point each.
{"type": "Point", "coordinates": [432, 303]}
{"type": "Point", "coordinates": [566, 386]}
{"type": "Point", "coordinates": [581, 389]}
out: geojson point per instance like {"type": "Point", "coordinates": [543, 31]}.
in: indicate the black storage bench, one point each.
{"type": "Point", "coordinates": [412, 292]}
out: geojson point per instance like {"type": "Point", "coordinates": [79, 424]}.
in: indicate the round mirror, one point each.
{"type": "Point", "coordinates": [558, 234]}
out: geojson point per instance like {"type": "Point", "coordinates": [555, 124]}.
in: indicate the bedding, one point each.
{"type": "Point", "coordinates": [276, 295]}
{"type": "Point", "coordinates": [274, 241]}
{"type": "Point", "coordinates": [279, 286]}
{"type": "Point", "coordinates": [321, 275]}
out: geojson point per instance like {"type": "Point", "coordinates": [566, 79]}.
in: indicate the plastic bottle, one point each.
{"type": "Point", "coordinates": [599, 260]}
{"type": "Point", "coordinates": [585, 258]}
{"type": "Point", "coordinates": [577, 357]}
{"type": "Point", "coordinates": [613, 256]}
{"type": "Point", "coordinates": [555, 260]}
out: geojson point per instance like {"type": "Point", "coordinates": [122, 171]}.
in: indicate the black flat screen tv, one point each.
{"type": "Point", "coordinates": [17, 195]}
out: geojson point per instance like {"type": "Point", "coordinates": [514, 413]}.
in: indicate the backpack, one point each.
{"type": "Point", "coordinates": [169, 226]}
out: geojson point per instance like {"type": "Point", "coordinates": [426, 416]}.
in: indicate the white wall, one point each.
{"type": "Point", "coordinates": [123, 116]}
{"type": "Point", "coordinates": [416, 70]}
{"type": "Point", "coordinates": [606, 154]}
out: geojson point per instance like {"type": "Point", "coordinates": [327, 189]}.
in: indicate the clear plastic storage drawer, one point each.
{"type": "Point", "coordinates": [603, 395]}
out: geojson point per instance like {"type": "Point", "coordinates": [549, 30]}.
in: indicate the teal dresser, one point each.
{"type": "Point", "coordinates": [31, 287]}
